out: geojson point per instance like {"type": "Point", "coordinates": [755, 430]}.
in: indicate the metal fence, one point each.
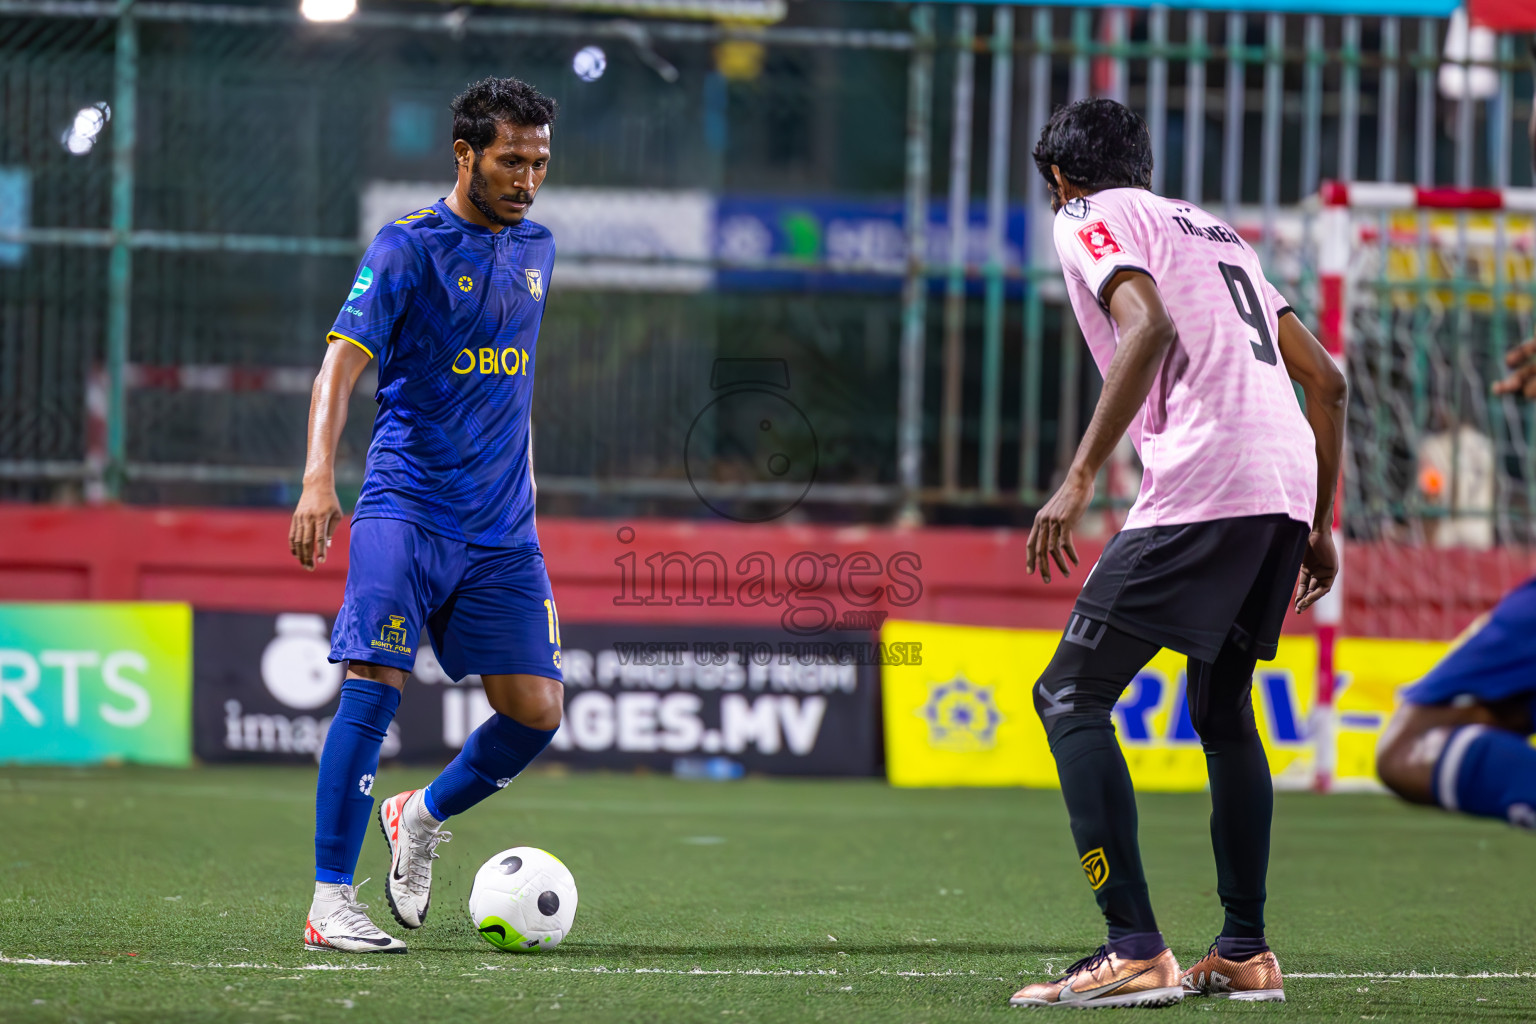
{"type": "Point", "coordinates": [164, 295]}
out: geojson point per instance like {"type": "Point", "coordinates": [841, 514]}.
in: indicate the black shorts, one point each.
{"type": "Point", "coordinates": [1190, 586]}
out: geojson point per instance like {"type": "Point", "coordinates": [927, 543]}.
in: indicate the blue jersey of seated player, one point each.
{"type": "Point", "coordinates": [451, 310]}
{"type": "Point", "coordinates": [1495, 663]}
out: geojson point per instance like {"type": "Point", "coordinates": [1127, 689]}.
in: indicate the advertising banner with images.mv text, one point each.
{"type": "Point", "coordinates": [635, 696]}
{"type": "Point", "coordinates": [965, 715]}
{"type": "Point", "coordinates": [86, 683]}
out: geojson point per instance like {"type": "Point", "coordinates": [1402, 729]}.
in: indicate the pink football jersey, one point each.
{"type": "Point", "coordinates": [1221, 433]}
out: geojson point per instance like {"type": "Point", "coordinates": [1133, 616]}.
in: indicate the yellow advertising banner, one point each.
{"type": "Point", "coordinates": [964, 716]}
{"type": "Point", "coordinates": [1371, 672]}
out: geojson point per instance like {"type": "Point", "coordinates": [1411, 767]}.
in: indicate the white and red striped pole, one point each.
{"type": "Point", "coordinates": [1333, 319]}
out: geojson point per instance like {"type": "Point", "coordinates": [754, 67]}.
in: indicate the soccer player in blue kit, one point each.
{"type": "Point", "coordinates": [448, 300]}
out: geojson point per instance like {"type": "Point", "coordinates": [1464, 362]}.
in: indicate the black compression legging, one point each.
{"type": "Point", "coordinates": [1075, 696]}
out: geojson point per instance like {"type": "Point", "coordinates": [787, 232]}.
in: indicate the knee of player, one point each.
{"type": "Point", "coordinates": [1406, 757]}
{"type": "Point", "coordinates": [535, 701]}
{"type": "Point", "coordinates": [1225, 725]}
{"type": "Point", "coordinates": [1066, 706]}
{"type": "Point", "coordinates": [1048, 705]}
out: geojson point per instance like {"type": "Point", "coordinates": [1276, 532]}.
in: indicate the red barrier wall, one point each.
{"type": "Point", "coordinates": [239, 560]}
{"type": "Point", "coordinates": [236, 559]}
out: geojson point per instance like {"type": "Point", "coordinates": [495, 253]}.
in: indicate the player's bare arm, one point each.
{"type": "Point", "coordinates": [1146, 335]}
{"type": "Point", "coordinates": [1326, 393]}
{"type": "Point", "coordinates": [1521, 360]}
{"type": "Point", "coordinates": [1521, 379]}
{"type": "Point", "coordinates": [319, 510]}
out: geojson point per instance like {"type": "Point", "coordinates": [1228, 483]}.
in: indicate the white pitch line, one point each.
{"type": "Point", "coordinates": [1419, 975]}
{"type": "Point", "coordinates": [748, 972]}
{"type": "Point", "coordinates": [755, 972]}
{"type": "Point", "coordinates": [280, 967]}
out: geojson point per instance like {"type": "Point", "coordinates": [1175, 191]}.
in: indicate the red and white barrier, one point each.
{"type": "Point", "coordinates": [1378, 195]}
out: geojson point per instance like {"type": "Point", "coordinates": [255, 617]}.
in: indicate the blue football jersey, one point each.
{"type": "Point", "coordinates": [451, 310]}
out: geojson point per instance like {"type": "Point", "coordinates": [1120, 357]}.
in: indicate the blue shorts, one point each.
{"type": "Point", "coordinates": [1495, 664]}
{"type": "Point", "coordinates": [487, 610]}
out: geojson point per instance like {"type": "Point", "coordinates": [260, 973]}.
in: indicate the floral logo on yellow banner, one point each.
{"type": "Point", "coordinates": [961, 716]}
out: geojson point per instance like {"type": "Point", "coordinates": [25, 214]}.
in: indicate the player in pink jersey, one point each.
{"type": "Point", "coordinates": [1198, 353]}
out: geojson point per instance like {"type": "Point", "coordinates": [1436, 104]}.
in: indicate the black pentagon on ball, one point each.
{"type": "Point", "coordinates": [511, 865]}
{"type": "Point", "coordinates": [549, 903]}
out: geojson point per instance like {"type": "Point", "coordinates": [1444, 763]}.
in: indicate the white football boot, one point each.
{"type": "Point", "coordinates": [412, 849]}
{"type": "Point", "coordinates": [347, 929]}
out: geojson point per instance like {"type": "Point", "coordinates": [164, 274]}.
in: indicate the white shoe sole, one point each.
{"type": "Point", "coordinates": [1258, 995]}
{"type": "Point", "coordinates": [337, 949]}
{"type": "Point", "coordinates": [1149, 998]}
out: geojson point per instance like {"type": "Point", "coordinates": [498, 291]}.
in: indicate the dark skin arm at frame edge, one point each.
{"type": "Point", "coordinates": [1521, 360]}
{"type": "Point", "coordinates": [1146, 335]}
{"type": "Point", "coordinates": [1327, 394]}
{"type": "Point", "coordinates": [319, 509]}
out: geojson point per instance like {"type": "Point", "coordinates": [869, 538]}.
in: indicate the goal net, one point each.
{"type": "Point", "coordinates": [1419, 295]}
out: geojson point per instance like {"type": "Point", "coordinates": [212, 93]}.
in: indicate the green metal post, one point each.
{"type": "Point", "coordinates": [914, 308]}
{"type": "Point", "coordinates": [997, 216]}
{"type": "Point", "coordinates": [959, 227]}
{"type": "Point", "coordinates": [120, 266]}
{"type": "Point", "coordinates": [1034, 312]}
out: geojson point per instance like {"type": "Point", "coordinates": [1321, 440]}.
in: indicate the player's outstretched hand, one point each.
{"type": "Point", "coordinates": [1521, 361]}
{"type": "Point", "coordinates": [316, 518]}
{"type": "Point", "coordinates": [1319, 566]}
{"type": "Point", "coordinates": [1050, 539]}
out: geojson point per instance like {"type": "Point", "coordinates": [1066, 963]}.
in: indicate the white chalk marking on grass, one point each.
{"type": "Point", "coordinates": [752, 972]}
{"type": "Point", "coordinates": [278, 967]}
{"type": "Point", "coordinates": [1414, 975]}
{"type": "Point", "coordinates": [746, 972]}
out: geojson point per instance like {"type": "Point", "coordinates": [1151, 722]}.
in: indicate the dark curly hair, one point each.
{"type": "Point", "coordinates": [479, 109]}
{"type": "Point", "coordinates": [1098, 144]}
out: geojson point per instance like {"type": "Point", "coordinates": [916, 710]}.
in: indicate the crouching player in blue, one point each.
{"type": "Point", "coordinates": [448, 300]}
{"type": "Point", "coordinates": [1462, 736]}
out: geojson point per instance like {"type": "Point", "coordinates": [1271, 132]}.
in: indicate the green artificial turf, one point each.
{"type": "Point", "coordinates": [180, 896]}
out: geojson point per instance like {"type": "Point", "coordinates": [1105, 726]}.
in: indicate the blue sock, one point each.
{"type": "Point", "coordinates": [1490, 773]}
{"type": "Point", "coordinates": [348, 763]}
{"type": "Point", "coordinates": [491, 758]}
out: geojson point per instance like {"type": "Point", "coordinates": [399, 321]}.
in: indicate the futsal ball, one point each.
{"type": "Point", "coordinates": [523, 900]}
{"type": "Point", "coordinates": [589, 63]}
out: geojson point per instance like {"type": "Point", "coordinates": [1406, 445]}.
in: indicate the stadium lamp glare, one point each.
{"type": "Point", "coordinates": [80, 137]}
{"type": "Point", "coordinates": [328, 10]}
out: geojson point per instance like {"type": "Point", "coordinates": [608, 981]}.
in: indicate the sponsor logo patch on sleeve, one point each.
{"type": "Point", "coordinates": [1096, 238]}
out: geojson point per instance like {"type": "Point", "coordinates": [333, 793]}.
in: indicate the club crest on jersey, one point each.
{"type": "Point", "coordinates": [393, 636]}
{"type": "Point", "coordinates": [535, 284]}
{"type": "Point", "coordinates": [1097, 239]}
{"type": "Point", "coordinates": [466, 283]}
{"type": "Point", "coordinates": [1077, 208]}
{"type": "Point", "coordinates": [1096, 867]}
